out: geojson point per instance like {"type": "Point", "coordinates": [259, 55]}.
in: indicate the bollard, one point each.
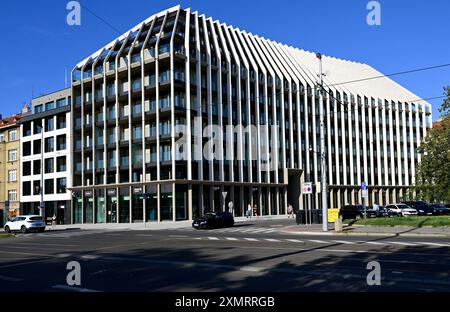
{"type": "Point", "coordinates": [338, 225]}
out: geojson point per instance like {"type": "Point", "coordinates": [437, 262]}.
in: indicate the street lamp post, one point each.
{"type": "Point", "coordinates": [41, 189]}
{"type": "Point", "coordinates": [323, 179]}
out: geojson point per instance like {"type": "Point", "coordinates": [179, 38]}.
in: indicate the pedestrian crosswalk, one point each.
{"type": "Point", "coordinates": [323, 242]}
{"type": "Point", "coordinates": [240, 229]}
{"type": "Point", "coordinates": [61, 234]}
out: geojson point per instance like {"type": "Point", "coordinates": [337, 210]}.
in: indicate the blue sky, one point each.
{"type": "Point", "coordinates": [38, 46]}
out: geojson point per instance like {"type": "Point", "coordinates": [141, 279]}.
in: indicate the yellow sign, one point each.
{"type": "Point", "coordinates": [333, 215]}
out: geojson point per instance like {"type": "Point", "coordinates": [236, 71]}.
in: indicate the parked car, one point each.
{"type": "Point", "coordinates": [213, 220]}
{"type": "Point", "coordinates": [422, 207]}
{"type": "Point", "coordinates": [349, 212]}
{"type": "Point", "coordinates": [440, 209]}
{"type": "Point", "coordinates": [402, 210]}
{"type": "Point", "coordinates": [25, 224]}
{"type": "Point", "coordinates": [382, 212]}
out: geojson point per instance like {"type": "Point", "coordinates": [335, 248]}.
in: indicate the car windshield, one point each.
{"type": "Point", "coordinates": [36, 218]}
{"type": "Point", "coordinates": [209, 216]}
{"type": "Point", "coordinates": [403, 207]}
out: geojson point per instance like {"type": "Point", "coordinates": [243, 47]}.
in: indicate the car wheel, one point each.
{"type": "Point", "coordinates": [23, 229]}
{"type": "Point", "coordinates": [7, 229]}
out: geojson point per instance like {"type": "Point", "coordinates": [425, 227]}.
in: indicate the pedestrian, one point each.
{"type": "Point", "coordinates": [376, 207]}
{"type": "Point", "coordinates": [54, 220]}
{"type": "Point", "coordinates": [290, 211]}
{"type": "Point", "coordinates": [255, 211]}
{"type": "Point", "coordinates": [249, 211]}
{"type": "Point", "coordinates": [230, 208]}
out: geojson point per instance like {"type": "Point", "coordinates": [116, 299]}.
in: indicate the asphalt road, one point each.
{"type": "Point", "coordinates": [248, 257]}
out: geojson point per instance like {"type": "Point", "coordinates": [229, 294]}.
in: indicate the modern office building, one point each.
{"type": "Point", "coordinates": [9, 166]}
{"type": "Point", "coordinates": [133, 97]}
{"type": "Point", "coordinates": [45, 157]}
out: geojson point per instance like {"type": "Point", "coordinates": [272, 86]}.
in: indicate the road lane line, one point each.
{"type": "Point", "coordinates": [344, 242]}
{"type": "Point", "coordinates": [213, 238]}
{"type": "Point", "coordinates": [375, 243]}
{"type": "Point", "coordinates": [433, 244]}
{"type": "Point", "coordinates": [231, 238]}
{"type": "Point", "coordinates": [402, 243]}
{"type": "Point", "coordinates": [294, 240]}
{"type": "Point", "coordinates": [318, 241]}
{"type": "Point", "coordinates": [271, 240]}
{"type": "Point", "coordinates": [251, 239]}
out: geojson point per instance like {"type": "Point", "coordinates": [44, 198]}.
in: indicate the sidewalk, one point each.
{"type": "Point", "coordinates": [149, 226]}
{"type": "Point", "coordinates": [316, 229]}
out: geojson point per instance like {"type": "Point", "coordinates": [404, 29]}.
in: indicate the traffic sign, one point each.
{"type": "Point", "coordinates": [364, 194]}
{"type": "Point", "coordinates": [224, 194]}
{"type": "Point", "coordinates": [307, 188]}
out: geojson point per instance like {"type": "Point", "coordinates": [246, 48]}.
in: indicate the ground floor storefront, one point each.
{"type": "Point", "coordinates": [60, 209]}
{"type": "Point", "coordinates": [174, 202]}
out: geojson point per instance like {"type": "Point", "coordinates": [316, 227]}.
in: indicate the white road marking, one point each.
{"type": "Point", "coordinates": [344, 242]}
{"type": "Point", "coordinates": [271, 240]}
{"type": "Point", "coordinates": [402, 243]}
{"type": "Point", "coordinates": [231, 238]}
{"type": "Point", "coordinates": [433, 244]}
{"type": "Point", "coordinates": [318, 241]}
{"type": "Point", "coordinates": [213, 238]}
{"type": "Point", "coordinates": [74, 289]}
{"type": "Point", "coordinates": [89, 257]}
{"type": "Point", "coordinates": [251, 239]}
{"type": "Point", "coordinates": [375, 243]}
{"type": "Point", "coordinates": [294, 240]}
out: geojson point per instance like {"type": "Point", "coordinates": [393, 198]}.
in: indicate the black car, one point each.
{"type": "Point", "coordinates": [440, 209]}
{"type": "Point", "coordinates": [349, 212]}
{"type": "Point", "coordinates": [422, 207]}
{"type": "Point", "coordinates": [213, 221]}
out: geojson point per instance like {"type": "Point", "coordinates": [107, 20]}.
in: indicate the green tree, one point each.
{"type": "Point", "coordinates": [433, 174]}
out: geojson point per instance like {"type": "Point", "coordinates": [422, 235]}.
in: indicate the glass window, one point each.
{"type": "Point", "coordinates": [49, 106]}
{"type": "Point", "coordinates": [13, 135]}
{"type": "Point", "coordinates": [36, 147]}
{"type": "Point", "coordinates": [36, 166]}
{"type": "Point", "coordinates": [26, 188]}
{"type": "Point", "coordinates": [12, 175]}
{"type": "Point", "coordinates": [49, 186]}
{"type": "Point", "coordinates": [49, 165]}
{"type": "Point", "coordinates": [12, 155]}
{"type": "Point", "coordinates": [61, 121]}
{"type": "Point", "coordinates": [26, 168]}
{"type": "Point", "coordinates": [49, 145]}
{"type": "Point", "coordinates": [38, 109]}
{"type": "Point", "coordinates": [26, 148]}
{"type": "Point", "coordinates": [61, 164]}
{"type": "Point", "coordinates": [61, 185]}
{"type": "Point", "coordinates": [61, 103]}
{"type": "Point", "coordinates": [12, 195]}
{"type": "Point", "coordinates": [61, 142]}
{"type": "Point", "coordinates": [49, 124]}
{"type": "Point", "coordinates": [36, 187]}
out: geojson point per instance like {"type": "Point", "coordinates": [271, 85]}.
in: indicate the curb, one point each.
{"type": "Point", "coordinates": [366, 234]}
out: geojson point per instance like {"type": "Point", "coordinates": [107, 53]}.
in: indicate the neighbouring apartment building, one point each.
{"type": "Point", "coordinates": [45, 157]}
{"type": "Point", "coordinates": [131, 98]}
{"type": "Point", "coordinates": [9, 166]}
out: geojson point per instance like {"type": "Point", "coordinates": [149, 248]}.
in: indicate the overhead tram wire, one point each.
{"type": "Point", "coordinates": [101, 19]}
{"type": "Point", "coordinates": [391, 75]}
